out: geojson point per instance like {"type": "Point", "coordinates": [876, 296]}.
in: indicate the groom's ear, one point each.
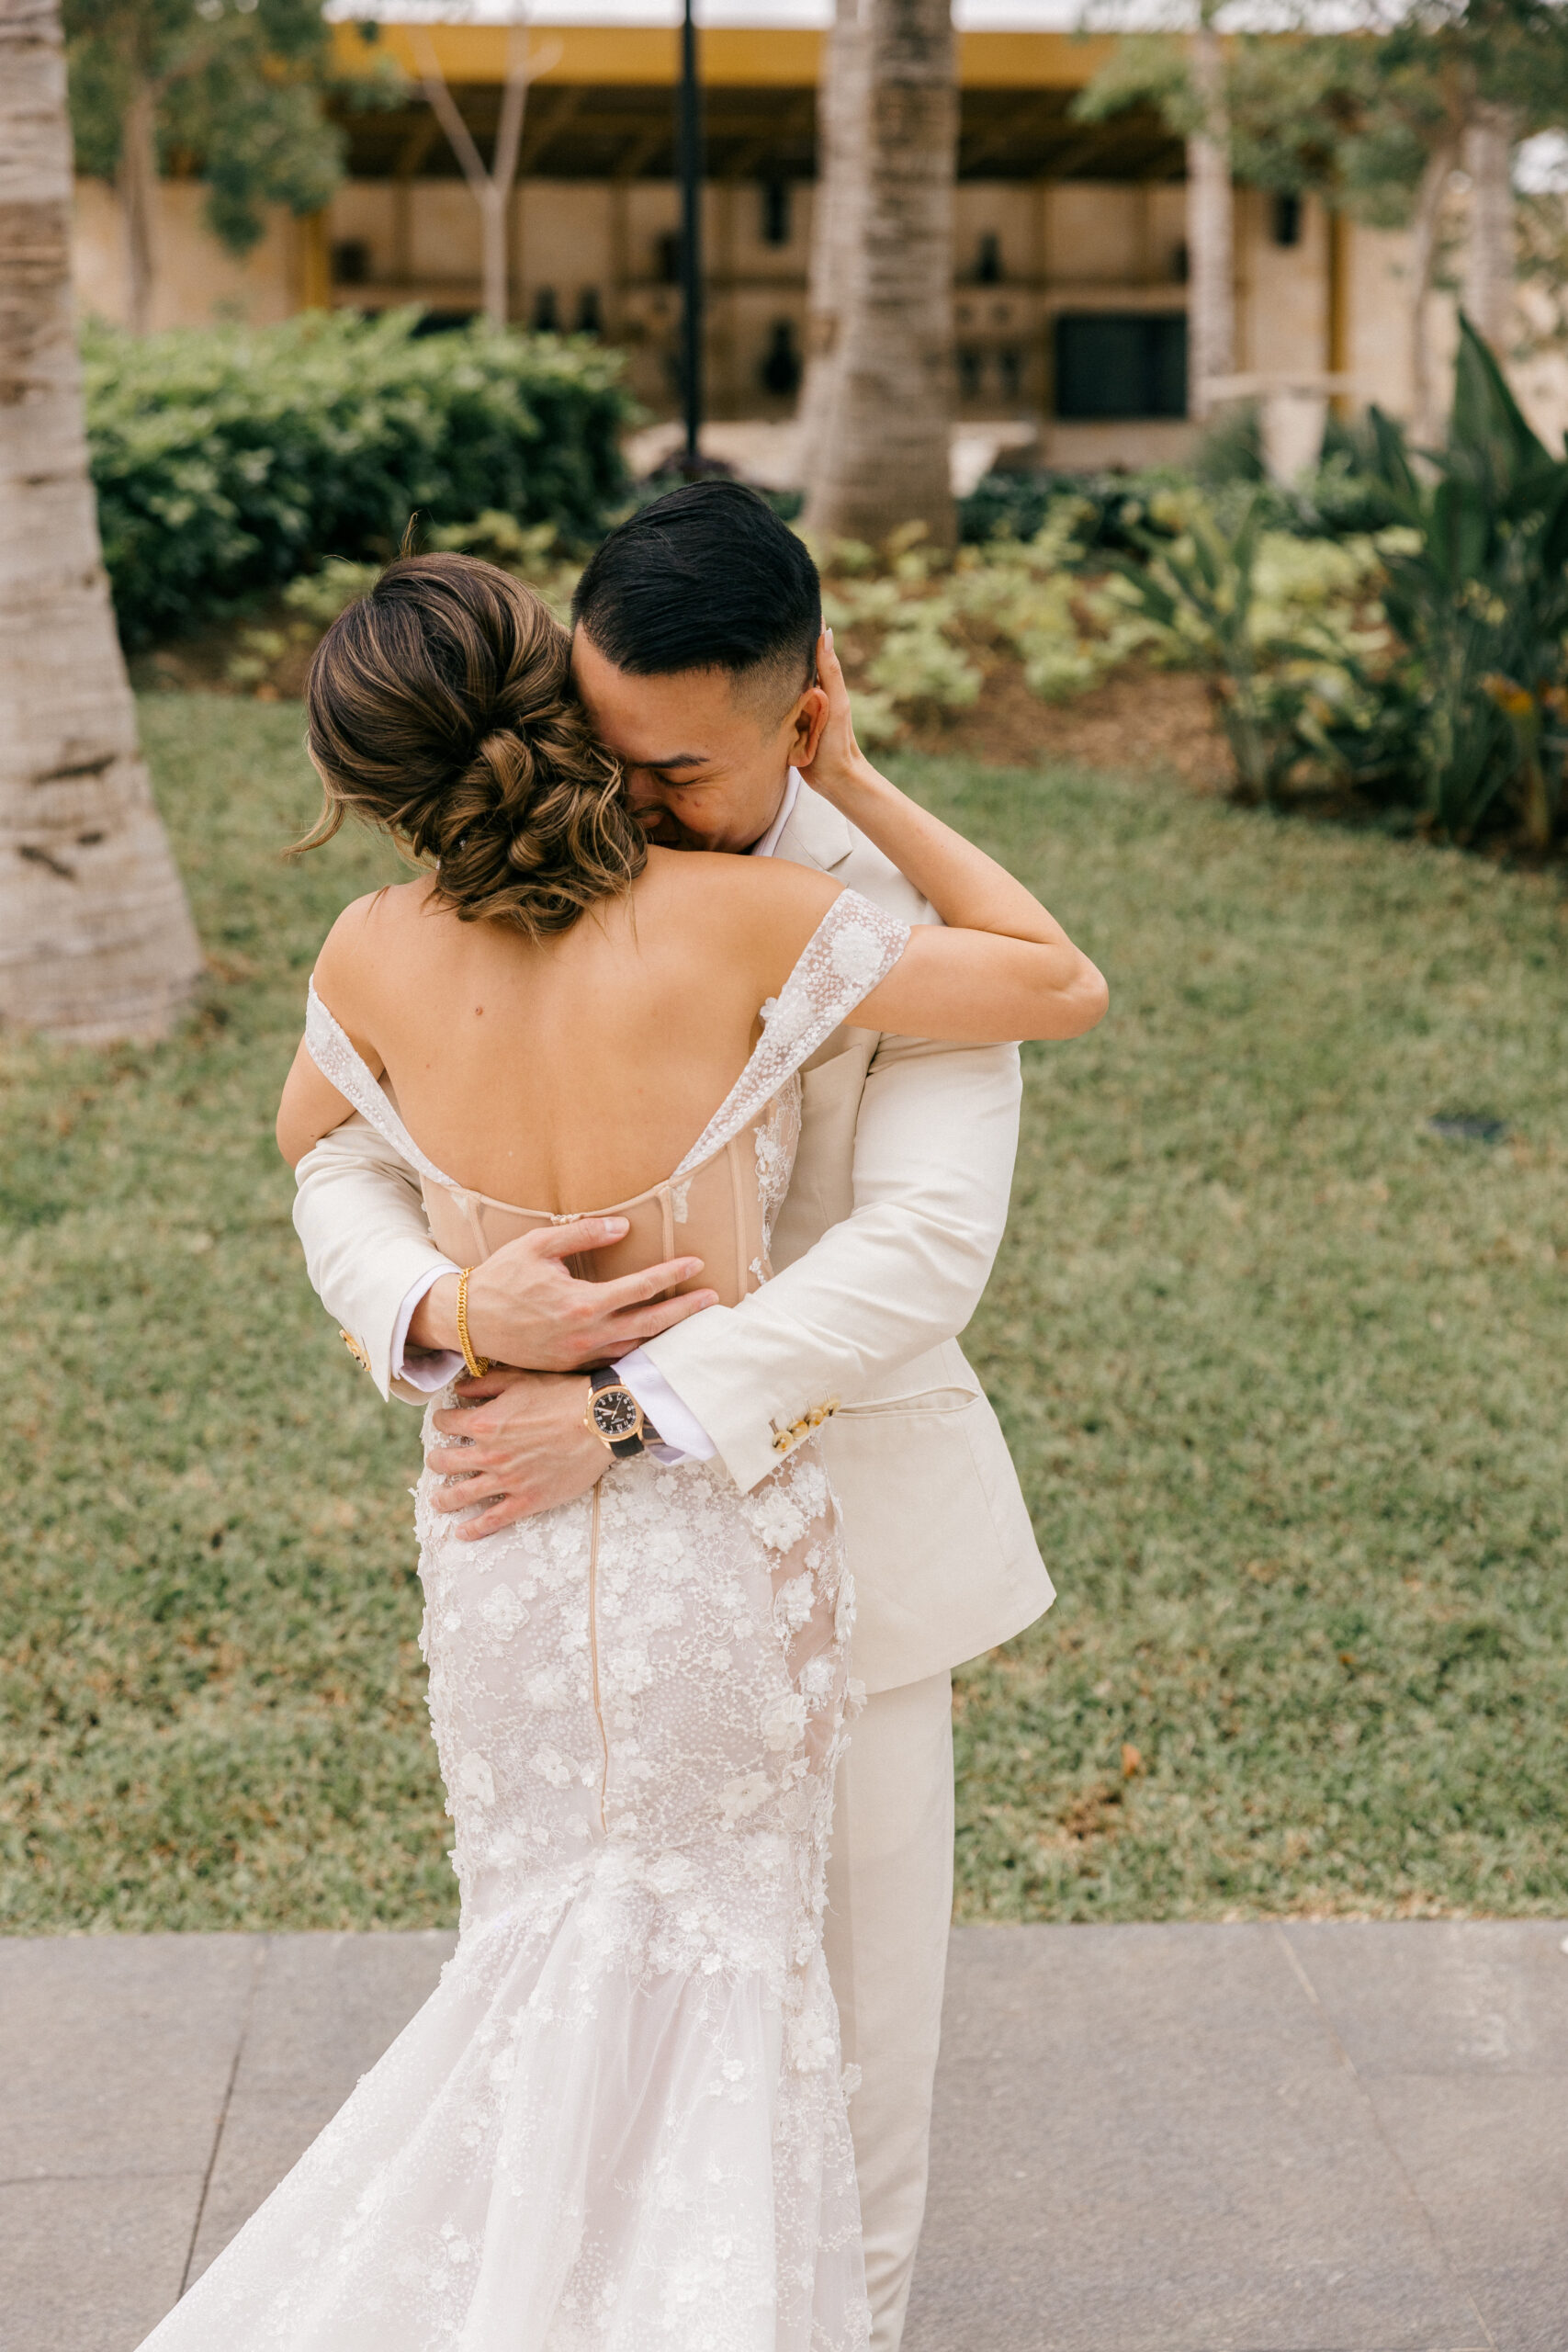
{"type": "Point", "coordinates": [810, 717]}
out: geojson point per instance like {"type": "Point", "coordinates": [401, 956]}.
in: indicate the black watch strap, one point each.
{"type": "Point", "coordinates": [625, 1449]}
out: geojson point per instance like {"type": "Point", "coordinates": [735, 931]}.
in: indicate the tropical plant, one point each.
{"type": "Point", "coordinates": [95, 938]}
{"type": "Point", "coordinates": [925, 632]}
{"type": "Point", "coordinates": [1476, 593]}
{"type": "Point", "coordinates": [1270, 619]}
{"type": "Point", "coordinates": [1017, 505]}
{"type": "Point", "coordinates": [229, 459]}
{"type": "Point", "coordinates": [1426, 662]}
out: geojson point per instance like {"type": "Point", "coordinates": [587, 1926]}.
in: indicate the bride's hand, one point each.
{"type": "Point", "coordinates": [839, 766]}
{"type": "Point", "coordinates": [1016, 974]}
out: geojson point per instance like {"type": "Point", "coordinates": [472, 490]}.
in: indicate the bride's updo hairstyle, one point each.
{"type": "Point", "coordinates": [441, 710]}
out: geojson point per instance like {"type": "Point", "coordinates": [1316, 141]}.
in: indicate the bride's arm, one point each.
{"type": "Point", "coordinates": [1003, 967]}
{"type": "Point", "coordinates": [312, 1107]}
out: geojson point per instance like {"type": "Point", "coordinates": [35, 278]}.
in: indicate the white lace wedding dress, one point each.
{"type": "Point", "coordinates": [619, 2124]}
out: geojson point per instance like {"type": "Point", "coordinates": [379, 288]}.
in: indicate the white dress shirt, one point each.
{"type": "Point", "coordinates": [682, 1436]}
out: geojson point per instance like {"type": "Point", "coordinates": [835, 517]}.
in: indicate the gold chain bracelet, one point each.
{"type": "Point", "coordinates": [478, 1365]}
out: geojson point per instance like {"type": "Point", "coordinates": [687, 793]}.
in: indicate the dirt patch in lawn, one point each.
{"type": "Point", "coordinates": [1140, 723]}
{"type": "Point", "coordinates": [1144, 722]}
{"type": "Point", "coordinates": [198, 663]}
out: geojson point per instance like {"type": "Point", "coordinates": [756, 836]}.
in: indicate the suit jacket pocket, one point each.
{"type": "Point", "coordinates": [944, 1559]}
{"type": "Point", "coordinates": [939, 1380]}
{"type": "Point", "coordinates": [927, 1402]}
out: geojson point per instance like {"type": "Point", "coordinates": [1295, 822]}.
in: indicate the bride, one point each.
{"type": "Point", "coordinates": [619, 2122]}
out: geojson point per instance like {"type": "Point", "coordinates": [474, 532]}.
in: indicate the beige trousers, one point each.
{"type": "Point", "coordinates": [889, 1905]}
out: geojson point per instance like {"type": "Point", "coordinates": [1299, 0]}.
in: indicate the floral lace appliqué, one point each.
{"type": "Point", "coordinates": [620, 2121]}
{"type": "Point", "coordinates": [854, 948]}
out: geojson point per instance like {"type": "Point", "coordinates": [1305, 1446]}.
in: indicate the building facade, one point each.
{"type": "Point", "coordinates": [1070, 292]}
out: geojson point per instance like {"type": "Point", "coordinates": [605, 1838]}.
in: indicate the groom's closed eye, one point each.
{"type": "Point", "coordinates": [665, 769]}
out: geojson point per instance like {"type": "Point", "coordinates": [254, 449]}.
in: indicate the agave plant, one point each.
{"type": "Point", "coordinates": [1461, 702]}
{"type": "Point", "coordinates": [1476, 591]}
{"type": "Point", "coordinates": [1204, 593]}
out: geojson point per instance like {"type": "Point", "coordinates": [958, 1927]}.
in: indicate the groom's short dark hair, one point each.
{"type": "Point", "coordinates": [706, 578]}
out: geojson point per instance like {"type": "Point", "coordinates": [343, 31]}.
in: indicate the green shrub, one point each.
{"type": "Point", "coordinates": [1112, 506]}
{"type": "Point", "coordinates": [787, 505]}
{"type": "Point", "coordinates": [1342, 494]}
{"type": "Point", "coordinates": [1229, 450]}
{"type": "Point", "coordinates": [228, 459]}
{"type": "Point", "coordinates": [265, 657]}
{"type": "Point", "coordinates": [927, 632]}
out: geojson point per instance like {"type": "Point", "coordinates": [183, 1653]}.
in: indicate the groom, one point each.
{"type": "Point", "coordinates": [685, 619]}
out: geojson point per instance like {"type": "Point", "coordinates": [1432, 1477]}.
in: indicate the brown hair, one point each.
{"type": "Point", "coordinates": [441, 710]}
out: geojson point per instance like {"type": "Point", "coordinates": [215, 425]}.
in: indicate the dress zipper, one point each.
{"type": "Point", "coordinates": [593, 1654]}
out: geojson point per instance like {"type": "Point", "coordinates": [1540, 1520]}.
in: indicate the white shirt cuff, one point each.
{"type": "Point", "coordinates": [427, 1373]}
{"type": "Point", "coordinates": [682, 1437]}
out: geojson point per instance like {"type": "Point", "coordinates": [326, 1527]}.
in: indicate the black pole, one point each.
{"type": "Point", "coordinates": [690, 162]}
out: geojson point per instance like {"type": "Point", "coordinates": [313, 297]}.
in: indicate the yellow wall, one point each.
{"type": "Point", "coordinates": [198, 281]}
{"type": "Point", "coordinates": [1066, 245]}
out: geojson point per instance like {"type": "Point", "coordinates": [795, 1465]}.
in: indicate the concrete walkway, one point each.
{"type": "Point", "coordinates": [1335, 2138]}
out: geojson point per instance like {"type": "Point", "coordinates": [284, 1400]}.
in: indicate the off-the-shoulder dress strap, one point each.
{"type": "Point", "coordinates": [343, 1068]}
{"type": "Point", "coordinates": [851, 950]}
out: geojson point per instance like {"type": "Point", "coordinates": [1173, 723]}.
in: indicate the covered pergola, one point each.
{"type": "Point", "coordinates": [603, 109]}
{"type": "Point", "coordinates": [1058, 219]}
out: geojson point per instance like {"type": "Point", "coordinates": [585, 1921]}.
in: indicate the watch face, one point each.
{"type": "Point", "coordinates": [616, 1412]}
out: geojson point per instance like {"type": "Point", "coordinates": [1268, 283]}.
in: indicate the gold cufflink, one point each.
{"type": "Point", "coordinates": [355, 1350]}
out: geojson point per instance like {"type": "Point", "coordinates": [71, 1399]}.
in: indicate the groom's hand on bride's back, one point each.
{"type": "Point", "coordinates": [526, 1308]}
{"type": "Point", "coordinates": [518, 1444]}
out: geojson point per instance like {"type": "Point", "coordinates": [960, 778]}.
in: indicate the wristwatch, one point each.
{"type": "Point", "coordinates": [615, 1418]}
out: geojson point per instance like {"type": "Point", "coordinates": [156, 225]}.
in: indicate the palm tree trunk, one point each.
{"type": "Point", "coordinates": [1211, 226]}
{"type": "Point", "coordinates": [1489, 142]}
{"type": "Point", "coordinates": [95, 938]}
{"type": "Point", "coordinates": [883, 459]}
{"type": "Point", "coordinates": [1423, 226]}
{"type": "Point", "coordinates": [137, 184]}
{"type": "Point", "coordinates": [840, 114]}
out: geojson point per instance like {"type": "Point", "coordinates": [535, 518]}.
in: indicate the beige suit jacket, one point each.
{"type": "Point", "coordinates": [881, 1251]}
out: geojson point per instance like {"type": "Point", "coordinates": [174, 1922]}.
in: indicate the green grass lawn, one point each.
{"type": "Point", "coordinates": [1284, 1373]}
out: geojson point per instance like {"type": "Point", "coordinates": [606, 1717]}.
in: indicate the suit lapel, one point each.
{"type": "Point", "coordinates": [816, 834]}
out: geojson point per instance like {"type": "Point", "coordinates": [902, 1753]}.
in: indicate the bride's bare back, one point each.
{"type": "Point", "coordinates": [561, 1010]}
{"type": "Point", "coordinates": [574, 1072]}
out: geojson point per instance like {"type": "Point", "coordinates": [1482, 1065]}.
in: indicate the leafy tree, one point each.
{"type": "Point", "coordinates": [1378, 121]}
{"type": "Point", "coordinates": [1376, 117]}
{"type": "Point", "coordinates": [234, 91]}
{"type": "Point", "coordinates": [489, 186]}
